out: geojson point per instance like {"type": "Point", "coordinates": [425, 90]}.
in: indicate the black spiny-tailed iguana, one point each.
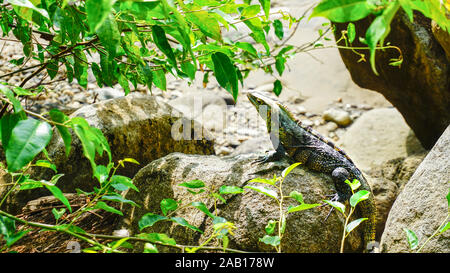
{"type": "Point", "coordinates": [304, 145]}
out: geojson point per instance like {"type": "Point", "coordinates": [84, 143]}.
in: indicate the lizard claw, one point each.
{"type": "Point", "coordinates": [335, 197]}
{"type": "Point", "coordinates": [262, 159]}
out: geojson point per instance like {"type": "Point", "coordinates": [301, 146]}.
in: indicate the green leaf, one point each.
{"type": "Point", "coordinates": [120, 199]}
{"type": "Point", "coordinates": [52, 69]}
{"type": "Point", "coordinates": [353, 185]}
{"type": "Point", "coordinates": [297, 196]}
{"type": "Point", "coordinates": [59, 195]}
{"type": "Point", "coordinates": [289, 169]}
{"type": "Point", "coordinates": [250, 11]}
{"type": "Point", "coordinates": [351, 32]}
{"type": "Point", "coordinates": [280, 62]}
{"type": "Point", "coordinates": [225, 73]}
{"type": "Point", "coordinates": [183, 222]}
{"type": "Point", "coordinates": [432, 9]}
{"type": "Point", "coordinates": [29, 184]}
{"type": "Point", "coordinates": [413, 241]}
{"type": "Point", "coordinates": [97, 12]}
{"type": "Point", "coordinates": [71, 227]}
{"type": "Point", "coordinates": [8, 230]}
{"type": "Point", "coordinates": [118, 243]}
{"type": "Point", "coordinates": [379, 29]}
{"type": "Point", "coordinates": [131, 160]}
{"type": "Point", "coordinates": [109, 35]}
{"type": "Point", "coordinates": [337, 205]}
{"type": "Point", "coordinates": [106, 207]}
{"type": "Point", "coordinates": [92, 139]}
{"type": "Point", "coordinates": [23, 8]}
{"type": "Point", "coordinates": [12, 98]}
{"type": "Point", "coordinates": [157, 238]}
{"type": "Point", "coordinates": [81, 129]}
{"type": "Point", "coordinates": [149, 220]}
{"type": "Point", "coordinates": [270, 227]}
{"type": "Point", "coordinates": [258, 34]}
{"type": "Point", "coordinates": [341, 11]}
{"type": "Point", "coordinates": [265, 4]}
{"type": "Point", "coordinates": [207, 24]}
{"type": "Point", "coordinates": [160, 39]}
{"type": "Point", "coordinates": [95, 68]}
{"type": "Point", "coordinates": [148, 75]}
{"type": "Point", "coordinates": [279, 31]}
{"type": "Point", "coordinates": [122, 183]}
{"type": "Point", "coordinates": [123, 81]}
{"type": "Point", "coordinates": [270, 240]}
{"type": "Point", "coordinates": [230, 190]}
{"type": "Point", "coordinates": [358, 197]}
{"type": "Point", "coordinates": [150, 248]}
{"type": "Point", "coordinates": [277, 87]}
{"type": "Point", "coordinates": [46, 164]}
{"type": "Point", "coordinates": [444, 228]}
{"type": "Point", "coordinates": [101, 173]}
{"type": "Point", "coordinates": [60, 117]}
{"type": "Point", "coordinates": [58, 213]}
{"type": "Point", "coordinates": [193, 184]}
{"type": "Point", "coordinates": [28, 138]}
{"type": "Point", "coordinates": [7, 124]}
{"type": "Point", "coordinates": [159, 79]}
{"type": "Point", "coordinates": [247, 47]}
{"type": "Point", "coordinates": [189, 69]}
{"type": "Point", "coordinates": [352, 225]}
{"type": "Point", "coordinates": [302, 207]}
{"type": "Point", "coordinates": [80, 67]}
{"type": "Point", "coordinates": [167, 205]}
{"type": "Point", "coordinates": [202, 207]}
{"type": "Point", "coordinates": [264, 190]}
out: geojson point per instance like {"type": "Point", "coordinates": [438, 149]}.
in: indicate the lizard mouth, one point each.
{"type": "Point", "coordinates": [254, 100]}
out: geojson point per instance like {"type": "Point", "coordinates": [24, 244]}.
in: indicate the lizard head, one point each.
{"type": "Point", "coordinates": [264, 105]}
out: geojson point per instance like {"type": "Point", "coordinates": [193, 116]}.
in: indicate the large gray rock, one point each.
{"type": "Point", "coordinates": [306, 231]}
{"type": "Point", "coordinates": [378, 136]}
{"type": "Point", "coordinates": [387, 181]}
{"type": "Point", "coordinates": [136, 126]}
{"type": "Point", "coordinates": [419, 89]}
{"type": "Point", "coordinates": [422, 205]}
{"type": "Point", "coordinates": [383, 146]}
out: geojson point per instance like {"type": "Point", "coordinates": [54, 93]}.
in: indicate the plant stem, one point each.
{"type": "Point", "coordinates": [436, 232]}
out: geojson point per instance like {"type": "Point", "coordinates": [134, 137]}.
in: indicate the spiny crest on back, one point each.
{"type": "Point", "coordinates": [310, 130]}
{"type": "Point", "coordinates": [283, 107]}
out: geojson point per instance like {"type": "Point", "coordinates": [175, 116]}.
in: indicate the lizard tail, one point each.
{"type": "Point", "coordinates": [369, 211]}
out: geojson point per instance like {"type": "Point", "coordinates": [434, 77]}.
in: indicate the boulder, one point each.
{"type": "Point", "coordinates": [387, 181]}
{"type": "Point", "coordinates": [250, 211]}
{"type": "Point", "coordinates": [419, 89]}
{"type": "Point", "coordinates": [384, 135]}
{"type": "Point", "coordinates": [422, 205]}
{"type": "Point", "coordinates": [340, 117]}
{"type": "Point", "coordinates": [136, 126]}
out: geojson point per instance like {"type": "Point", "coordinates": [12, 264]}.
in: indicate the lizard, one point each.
{"type": "Point", "coordinates": [302, 144]}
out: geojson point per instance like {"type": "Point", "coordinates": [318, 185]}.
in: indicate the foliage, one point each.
{"type": "Point", "coordinates": [280, 223]}
{"type": "Point", "coordinates": [413, 239]}
{"type": "Point", "coordinates": [140, 42]}
{"type": "Point", "coordinates": [341, 11]}
{"type": "Point", "coordinates": [354, 200]}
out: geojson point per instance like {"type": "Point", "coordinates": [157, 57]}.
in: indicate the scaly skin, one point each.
{"type": "Point", "coordinates": [304, 145]}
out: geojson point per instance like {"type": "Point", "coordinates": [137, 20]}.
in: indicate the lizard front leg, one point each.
{"type": "Point", "coordinates": [272, 156]}
{"type": "Point", "coordinates": [339, 176]}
